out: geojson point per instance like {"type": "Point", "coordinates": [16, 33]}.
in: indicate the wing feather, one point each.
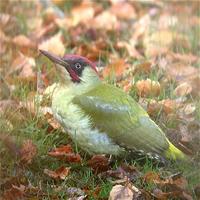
{"type": "Point", "coordinates": [124, 120]}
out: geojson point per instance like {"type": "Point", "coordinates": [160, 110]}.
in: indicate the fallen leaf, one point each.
{"type": "Point", "coordinates": [151, 177]}
{"type": "Point", "coordinates": [106, 21]}
{"type": "Point", "coordinates": [131, 49]}
{"type": "Point", "coordinates": [60, 173]}
{"type": "Point", "coordinates": [99, 163]}
{"type": "Point", "coordinates": [77, 193]}
{"type": "Point", "coordinates": [181, 72]}
{"type": "Point", "coordinates": [82, 13]}
{"type": "Point", "coordinates": [14, 193]}
{"type": "Point", "coordinates": [189, 109]}
{"type": "Point", "coordinates": [23, 41]}
{"type": "Point", "coordinates": [159, 194]}
{"type": "Point", "coordinates": [183, 58]}
{"type": "Point", "coordinates": [49, 45]}
{"type": "Point", "coordinates": [60, 151]}
{"type": "Point", "coordinates": [49, 15]}
{"type": "Point", "coordinates": [126, 84]}
{"type": "Point", "coordinates": [27, 152]}
{"type": "Point", "coordinates": [183, 89]}
{"type": "Point", "coordinates": [148, 88]}
{"type": "Point", "coordinates": [116, 68]}
{"type": "Point", "coordinates": [52, 121]}
{"type": "Point", "coordinates": [144, 67]}
{"type": "Point", "coordinates": [123, 10]}
{"type": "Point", "coordinates": [24, 67]}
{"type": "Point", "coordinates": [123, 172]}
{"type": "Point", "coordinates": [65, 153]}
{"type": "Point", "coordinates": [129, 192]}
{"type": "Point", "coordinates": [168, 106]}
{"type": "Point", "coordinates": [164, 39]}
{"type": "Point", "coordinates": [92, 50]}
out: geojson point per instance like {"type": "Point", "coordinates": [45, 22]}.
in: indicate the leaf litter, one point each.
{"type": "Point", "coordinates": [133, 40]}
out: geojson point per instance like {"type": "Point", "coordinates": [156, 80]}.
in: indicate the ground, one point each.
{"type": "Point", "coordinates": [150, 49]}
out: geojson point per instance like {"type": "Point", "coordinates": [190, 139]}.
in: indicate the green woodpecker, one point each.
{"type": "Point", "coordinates": [101, 118]}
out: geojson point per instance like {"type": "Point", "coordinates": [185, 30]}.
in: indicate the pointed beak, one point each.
{"type": "Point", "coordinates": [54, 58]}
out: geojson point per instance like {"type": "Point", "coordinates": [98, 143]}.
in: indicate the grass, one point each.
{"type": "Point", "coordinates": [36, 128]}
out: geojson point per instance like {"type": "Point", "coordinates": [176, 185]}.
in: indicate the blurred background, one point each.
{"type": "Point", "coordinates": [150, 49]}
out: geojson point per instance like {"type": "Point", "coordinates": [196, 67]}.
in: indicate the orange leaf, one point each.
{"type": "Point", "coordinates": [123, 10]}
{"type": "Point", "coordinates": [60, 151]}
{"type": "Point", "coordinates": [99, 163]}
{"type": "Point", "coordinates": [49, 45]}
{"type": "Point", "coordinates": [169, 105]}
{"type": "Point", "coordinates": [23, 41]}
{"type": "Point", "coordinates": [117, 68]}
{"type": "Point", "coordinates": [148, 88]}
{"type": "Point", "coordinates": [183, 89]}
{"type": "Point", "coordinates": [60, 173]}
{"type": "Point", "coordinates": [65, 153]}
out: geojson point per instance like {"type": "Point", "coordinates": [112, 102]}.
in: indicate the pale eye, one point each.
{"type": "Point", "coordinates": [78, 66]}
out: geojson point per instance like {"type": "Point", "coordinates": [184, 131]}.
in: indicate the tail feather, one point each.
{"type": "Point", "coordinates": [174, 153]}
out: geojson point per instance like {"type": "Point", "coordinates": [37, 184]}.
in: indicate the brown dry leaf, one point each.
{"type": "Point", "coordinates": [194, 81]}
{"type": "Point", "coordinates": [60, 173]}
{"type": "Point", "coordinates": [123, 172]}
{"type": "Point", "coordinates": [76, 193]}
{"type": "Point", "coordinates": [22, 61]}
{"type": "Point", "coordinates": [27, 152]}
{"type": "Point", "coordinates": [60, 151]}
{"type": "Point", "coordinates": [181, 72]}
{"type": "Point", "coordinates": [99, 163]}
{"type": "Point", "coordinates": [49, 45]}
{"type": "Point", "coordinates": [189, 109]}
{"type": "Point", "coordinates": [52, 121]}
{"type": "Point", "coordinates": [123, 10]}
{"type": "Point", "coordinates": [153, 107]}
{"type": "Point", "coordinates": [65, 153]}
{"type": "Point", "coordinates": [23, 41]}
{"type": "Point", "coordinates": [159, 194]}
{"type": "Point", "coordinates": [126, 84]}
{"type": "Point", "coordinates": [175, 185]}
{"type": "Point", "coordinates": [14, 193]}
{"type": "Point", "coordinates": [116, 68]}
{"type": "Point", "coordinates": [129, 192]}
{"type": "Point", "coordinates": [166, 39]}
{"type": "Point", "coordinates": [43, 31]}
{"type": "Point", "coordinates": [82, 13]}
{"type": "Point", "coordinates": [185, 74]}
{"type": "Point", "coordinates": [24, 66]}
{"type": "Point", "coordinates": [144, 67]}
{"type": "Point", "coordinates": [106, 21]}
{"type": "Point", "coordinates": [168, 106]}
{"type": "Point", "coordinates": [151, 177]}
{"type": "Point", "coordinates": [183, 58]}
{"type": "Point", "coordinates": [183, 89]}
{"type": "Point", "coordinates": [132, 51]}
{"type": "Point", "coordinates": [50, 14]}
{"type": "Point", "coordinates": [92, 50]}
{"type": "Point", "coordinates": [148, 88]}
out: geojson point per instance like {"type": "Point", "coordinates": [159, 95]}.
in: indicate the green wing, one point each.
{"type": "Point", "coordinates": [114, 112]}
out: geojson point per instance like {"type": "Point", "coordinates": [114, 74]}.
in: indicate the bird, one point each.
{"type": "Point", "coordinates": [101, 118]}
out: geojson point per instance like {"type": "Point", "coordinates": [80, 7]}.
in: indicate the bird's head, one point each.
{"type": "Point", "coordinates": [74, 69]}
